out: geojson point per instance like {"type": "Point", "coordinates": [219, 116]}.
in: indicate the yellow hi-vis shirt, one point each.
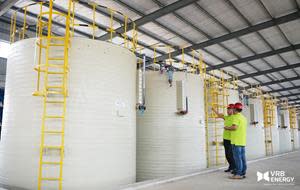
{"type": "Point", "coordinates": [238, 136]}
{"type": "Point", "coordinates": [227, 123]}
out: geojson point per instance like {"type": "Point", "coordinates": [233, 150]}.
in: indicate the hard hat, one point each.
{"type": "Point", "coordinates": [238, 106]}
{"type": "Point", "coordinates": [230, 106]}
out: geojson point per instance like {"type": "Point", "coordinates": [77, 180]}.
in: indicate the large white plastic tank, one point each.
{"type": "Point", "coordinates": [215, 131]}
{"type": "Point", "coordinates": [295, 137]}
{"type": "Point", "coordinates": [255, 147]}
{"type": "Point", "coordinates": [275, 133]}
{"type": "Point", "coordinates": [100, 134]}
{"type": "Point", "coordinates": [169, 144]}
{"type": "Point", "coordinates": [285, 144]}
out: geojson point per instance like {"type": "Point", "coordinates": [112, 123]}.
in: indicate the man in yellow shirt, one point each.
{"type": "Point", "coordinates": [226, 136]}
{"type": "Point", "coordinates": [238, 141]}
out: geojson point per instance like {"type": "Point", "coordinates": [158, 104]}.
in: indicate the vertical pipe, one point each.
{"type": "Point", "coordinates": [144, 81]}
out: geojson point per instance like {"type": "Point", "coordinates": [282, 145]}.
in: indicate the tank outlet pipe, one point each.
{"type": "Point", "coordinates": [184, 112]}
{"type": "Point", "coordinates": [141, 106]}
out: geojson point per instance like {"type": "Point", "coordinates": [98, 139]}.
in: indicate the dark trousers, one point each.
{"type": "Point", "coordinates": [240, 159]}
{"type": "Point", "coordinates": [229, 154]}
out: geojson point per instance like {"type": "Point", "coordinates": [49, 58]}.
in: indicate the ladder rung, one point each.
{"type": "Point", "coordinates": [55, 73]}
{"type": "Point", "coordinates": [56, 44]}
{"type": "Point", "coordinates": [50, 179]}
{"type": "Point", "coordinates": [54, 87]}
{"type": "Point", "coordinates": [54, 37]}
{"type": "Point", "coordinates": [54, 102]}
{"type": "Point", "coordinates": [54, 116]}
{"type": "Point", "coordinates": [53, 147]}
{"type": "Point", "coordinates": [53, 132]}
{"type": "Point", "coordinates": [38, 67]}
{"type": "Point", "coordinates": [55, 92]}
{"type": "Point", "coordinates": [56, 58]}
{"type": "Point", "coordinates": [51, 163]}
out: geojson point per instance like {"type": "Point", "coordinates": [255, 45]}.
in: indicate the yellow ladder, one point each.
{"type": "Point", "coordinates": [52, 80]}
{"type": "Point", "coordinates": [293, 118]}
{"type": "Point", "coordinates": [216, 97]}
{"type": "Point", "coordinates": [269, 115]}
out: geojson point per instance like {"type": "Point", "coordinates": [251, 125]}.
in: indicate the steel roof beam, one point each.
{"type": "Point", "coordinates": [296, 65]}
{"type": "Point", "coordinates": [154, 15]}
{"type": "Point", "coordinates": [248, 30]}
{"type": "Point", "coordinates": [254, 57]}
{"type": "Point", "coordinates": [276, 82]}
{"type": "Point", "coordinates": [6, 5]}
{"type": "Point", "coordinates": [284, 89]}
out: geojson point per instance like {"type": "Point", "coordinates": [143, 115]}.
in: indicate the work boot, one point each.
{"type": "Point", "coordinates": [236, 177]}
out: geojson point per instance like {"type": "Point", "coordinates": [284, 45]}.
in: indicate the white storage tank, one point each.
{"type": "Point", "coordinates": [255, 132]}
{"type": "Point", "coordinates": [285, 144]}
{"type": "Point", "coordinates": [295, 136]}
{"type": "Point", "coordinates": [169, 144]}
{"type": "Point", "coordinates": [100, 133]}
{"type": "Point", "coordinates": [275, 133]}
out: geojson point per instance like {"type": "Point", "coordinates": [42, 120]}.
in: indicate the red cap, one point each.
{"type": "Point", "coordinates": [230, 106]}
{"type": "Point", "coordinates": [238, 106]}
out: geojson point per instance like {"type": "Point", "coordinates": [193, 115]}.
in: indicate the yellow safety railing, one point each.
{"type": "Point", "coordinates": [164, 48]}
{"type": "Point", "coordinates": [19, 31]}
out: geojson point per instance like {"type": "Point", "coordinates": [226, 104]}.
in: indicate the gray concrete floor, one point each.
{"type": "Point", "coordinates": [289, 163]}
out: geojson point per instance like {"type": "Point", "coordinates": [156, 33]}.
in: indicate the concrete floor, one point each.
{"type": "Point", "coordinates": [290, 163]}
{"type": "Point", "coordinates": [217, 179]}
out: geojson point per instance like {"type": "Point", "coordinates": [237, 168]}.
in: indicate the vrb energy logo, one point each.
{"type": "Point", "coordinates": [275, 177]}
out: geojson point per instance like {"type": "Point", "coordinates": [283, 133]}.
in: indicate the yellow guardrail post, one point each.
{"type": "Point", "coordinates": [24, 23]}
{"type": "Point", "coordinates": [125, 31]}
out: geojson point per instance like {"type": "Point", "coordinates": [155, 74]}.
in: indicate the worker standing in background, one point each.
{"type": "Point", "coordinates": [238, 141]}
{"type": "Point", "coordinates": [227, 136]}
{"type": "Point", "coordinates": [170, 72]}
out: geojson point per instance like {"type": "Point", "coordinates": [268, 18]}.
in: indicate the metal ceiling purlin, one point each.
{"type": "Point", "coordinates": [284, 89]}
{"type": "Point", "coordinates": [258, 33]}
{"type": "Point", "coordinates": [275, 82]}
{"type": "Point", "coordinates": [289, 95]}
{"type": "Point", "coordinates": [254, 57]}
{"type": "Point", "coordinates": [277, 69]}
{"type": "Point", "coordinates": [282, 34]}
{"type": "Point", "coordinates": [154, 15]}
{"type": "Point", "coordinates": [223, 46]}
{"type": "Point", "coordinates": [6, 5]}
{"type": "Point", "coordinates": [248, 30]}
